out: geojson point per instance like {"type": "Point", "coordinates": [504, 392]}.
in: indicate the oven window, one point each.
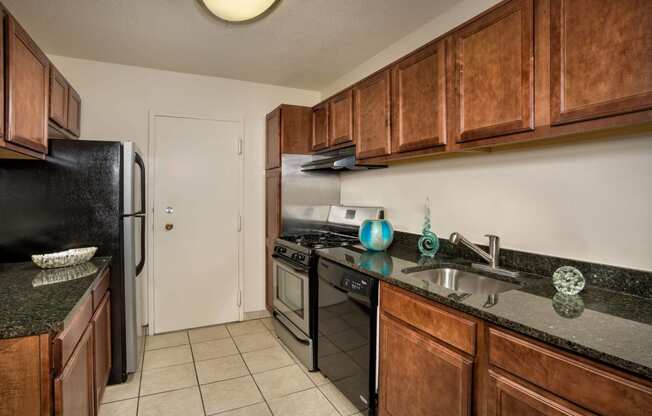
{"type": "Point", "coordinates": [290, 291]}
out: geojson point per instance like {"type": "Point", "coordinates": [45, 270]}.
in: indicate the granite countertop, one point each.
{"type": "Point", "coordinates": [35, 301]}
{"type": "Point", "coordinates": [604, 325]}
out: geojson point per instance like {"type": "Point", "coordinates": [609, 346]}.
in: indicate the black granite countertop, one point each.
{"type": "Point", "coordinates": [604, 325]}
{"type": "Point", "coordinates": [35, 301]}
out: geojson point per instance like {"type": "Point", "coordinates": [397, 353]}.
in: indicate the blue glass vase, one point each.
{"type": "Point", "coordinates": [376, 235]}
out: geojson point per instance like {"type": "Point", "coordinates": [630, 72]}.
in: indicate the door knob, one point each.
{"type": "Point", "coordinates": [169, 227]}
{"type": "Point", "coordinates": [169, 210]}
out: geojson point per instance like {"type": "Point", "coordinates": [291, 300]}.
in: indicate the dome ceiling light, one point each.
{"type": "Point", "coordinates": [239, 11]}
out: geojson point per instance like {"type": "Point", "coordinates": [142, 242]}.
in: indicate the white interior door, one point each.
{"type": "Point", "coordinates": [197, 198]}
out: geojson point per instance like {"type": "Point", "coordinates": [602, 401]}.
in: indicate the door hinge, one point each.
{"type": "Point", "coordinates": [239, 220]}
{"type": "Point", "coordinates": [239, 298]}
{"type": "Point", "coordinates": [238, 146]}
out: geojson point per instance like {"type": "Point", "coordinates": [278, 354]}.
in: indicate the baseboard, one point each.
{"type": "Point", "coordinates": [256, 315]}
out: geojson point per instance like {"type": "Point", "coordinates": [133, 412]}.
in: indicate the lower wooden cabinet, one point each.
{"type": "Point", "coordinates": [423, 370]}
{"type": "Point", "coordinates": [101, 323]}
{"type": "Point", "coordinates": [419, 376]}
{"type": "Point", "coordinates": [508, 397]}
{"type": "Point", "coordinates": [73, 389]}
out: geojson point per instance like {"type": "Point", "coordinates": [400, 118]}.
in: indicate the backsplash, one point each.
{"type": "Point", "coordinates": [630, 281]}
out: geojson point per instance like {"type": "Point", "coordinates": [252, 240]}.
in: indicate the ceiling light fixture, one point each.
{"type": "Point", "coordinates": [239, 11]}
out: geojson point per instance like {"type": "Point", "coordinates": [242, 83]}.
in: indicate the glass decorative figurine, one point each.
{"type": "Point", "coordinates": [568, 280]}
{"type": "Point", "coordinates": [376, 235]}
{"type": "Point", "coordinates": [429, 242]}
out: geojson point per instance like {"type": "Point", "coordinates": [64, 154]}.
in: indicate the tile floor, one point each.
{"type": "Point", "coordinates": [237, 369]}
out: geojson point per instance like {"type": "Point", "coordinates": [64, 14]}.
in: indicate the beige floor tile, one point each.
{"type": "Point", "coordinates": [339, 400]}
{"type": "Point", "coordinates": [163, 379]}
{"type": "Point", "coordinates": [316, 376]}
{"type": "Point", "coordinates": [268, 323]}
{"type": "Point", "coordinates": [208, 333]}
{"type": "Point", "coordinates": [167, 357]}
{"type": "Point", "coordinates": [218, 369]}
{"type": "Point", "coordinates": [230, 394]}
{"type": "Point", "coordinates": [267, 359]}
{"type": "Point", "coordinates": [186, 402]}
{"type": "Point", "coordinates": [282, 381]}
{"type": "Point", "coordinates": [246, 328]}
{"type": "Point", "coordinates": [259, 409]}
{"type": "Point", "coordinates": [214, 349]}
{"type": "Point", "coordinates": [121, 408]}
{"type": "Point", "coordinates": [306, 403]}
{"type": "Point", "coordinates": [126, 390]}
{"type": "Point", "coordinates": [254, 342]}
{"type": "Point", "coordinates": [173, 339]}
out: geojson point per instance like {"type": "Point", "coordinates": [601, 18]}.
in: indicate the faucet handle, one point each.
{"type": "Point", "coordinates": [492, 237]}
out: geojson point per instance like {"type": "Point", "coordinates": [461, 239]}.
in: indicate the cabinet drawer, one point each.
{"type": "Point", "coordinates": [65, 342]}
{"type": "Point", "coordinates": [598, 390]}
{"type": "Point", "coordinates": [100, 288]}
{"type": "Point", "coordinates": [434, 320]}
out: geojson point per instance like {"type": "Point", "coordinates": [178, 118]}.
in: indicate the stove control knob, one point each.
{"type": "Point", "coordinates": [294, 256]}
{"type": "Point", "coordinates": [282, 250]}
{"type": "Point", "coordinates": [301, 257]}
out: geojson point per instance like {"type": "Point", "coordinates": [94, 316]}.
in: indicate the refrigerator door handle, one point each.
{"type": "Point", "coordinates": [139, 161]}
{"type": "Point", "coordinates": [141, 264]}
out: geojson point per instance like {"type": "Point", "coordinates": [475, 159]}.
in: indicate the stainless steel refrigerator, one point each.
{"type": "Point", "coordinates": [87, 193]}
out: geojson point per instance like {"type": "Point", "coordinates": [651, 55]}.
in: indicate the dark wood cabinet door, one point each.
{"type": "Point", "coordinates": [507, 397]}
{"type": "Point", "coordinates": [272, 204]}
{"type": "Point", "coordinates": [28, 89]}
{"type": "Point", "coordinates": [320, 127]}
{"type": "Point", "coordinates": [340, 116]}
{"type": "Point", "coordinates": [73, 389]}
{"type": "Point", "coordinates": [296, 126]}
{"type": "Point", "coordinates": [600, 58]}
{"type": "Point", "coordinates": [419, 376]}
{"type": "Point", "coordinates": [74, 112]}
{"type": "Point", "coordinates": [419, 104]}
{"type": "Point", "coordinates": [58, 98]}
{"type": "Point", "coordinates": [371, 104]}
{"type": "Point", "coordinates": [273, 139]}
{"type": "Point", "coordinates": [102, 346]}
{"type": "Point", "coordinates": [494, 73]}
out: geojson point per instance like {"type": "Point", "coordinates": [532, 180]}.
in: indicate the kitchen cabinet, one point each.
{"type": "Point", "coordinates": [288, 131]}
{"type": "Point", "coordinates": [74, 112]}
{"type": "Point", "coordinates": [62, 373]}
{"type": "Point", "coordinates": [101, 322]}
{"type": "Point", "coordinates": [419, 100]}
{"type": "Point", "coordinates": [372, 109]}
{"type": "Point", "coordinates": [28, 90]}
{"type": "Point", "coordinates": [419, 376]}
{"type": "Point", "coordinates": [509, 397]}
{"type": "Point", "coordinates": [59, 91]}
{"type": "Point", "coordinates": [494, 73]}
{"type": "Point", "coordinates": [73, 389]}
{"type": "Point", "coordinates": [436, 361]}
{"type": "Point", "coordinates": [340, 119]}
{"type": "Point", "coordinates": [600, 58]}
{"type": "Point", "coordinates": [320, 127]}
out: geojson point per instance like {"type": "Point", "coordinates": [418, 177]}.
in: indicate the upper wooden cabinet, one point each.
{"type": "Point", "coordinates": [340, 118]}
{"type": "Point", "coordinates": [494, 73]}
{"type": "Point", "coordinates": [419, 100]}
{"type": "Point", "coordinates": [600, 58]}
{"type": "Point", "coordinates": [28, 90]}
{"type": "Point", "coordinates": [59, 91]}
{"type": "Point", "coordinates": [372, 109]}
{"type": "Point", "coordinates": [288, 130]}
{"type": "Point", "coordinates": [74, 112]}
{"type": "Point", "coordinates": [320, 127]}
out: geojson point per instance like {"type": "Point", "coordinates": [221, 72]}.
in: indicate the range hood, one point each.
{"type": "Point", "coordinates": [337, 160]}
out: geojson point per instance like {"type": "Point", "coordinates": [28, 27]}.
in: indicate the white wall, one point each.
{"type": "Point", "coordinates": [590, 201]}
{"type": "Point", "coordinates": [116, 104]}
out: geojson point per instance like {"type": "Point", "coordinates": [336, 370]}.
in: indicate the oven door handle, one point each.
{"type": "Point", "coordinates": [284, 321]}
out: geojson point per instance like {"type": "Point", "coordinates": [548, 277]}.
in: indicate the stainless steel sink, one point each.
{"type": "Point", "coordinates": [463, 281]}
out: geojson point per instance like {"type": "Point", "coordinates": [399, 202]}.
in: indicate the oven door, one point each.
{"type": "Point", "coordinates": [291, 294]}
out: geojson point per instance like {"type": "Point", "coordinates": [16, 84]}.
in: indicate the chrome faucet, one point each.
{"type": "Point", "coordinates": [492, 257]}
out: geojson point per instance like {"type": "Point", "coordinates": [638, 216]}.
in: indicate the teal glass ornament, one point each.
{"type": "Point", "coordinates": [429, 242]}
{"type": "Point", "coordinates": [376, 235]}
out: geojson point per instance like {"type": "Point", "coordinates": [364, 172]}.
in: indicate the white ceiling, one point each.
{"type": "Point", "coordinates": [303, 43]}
